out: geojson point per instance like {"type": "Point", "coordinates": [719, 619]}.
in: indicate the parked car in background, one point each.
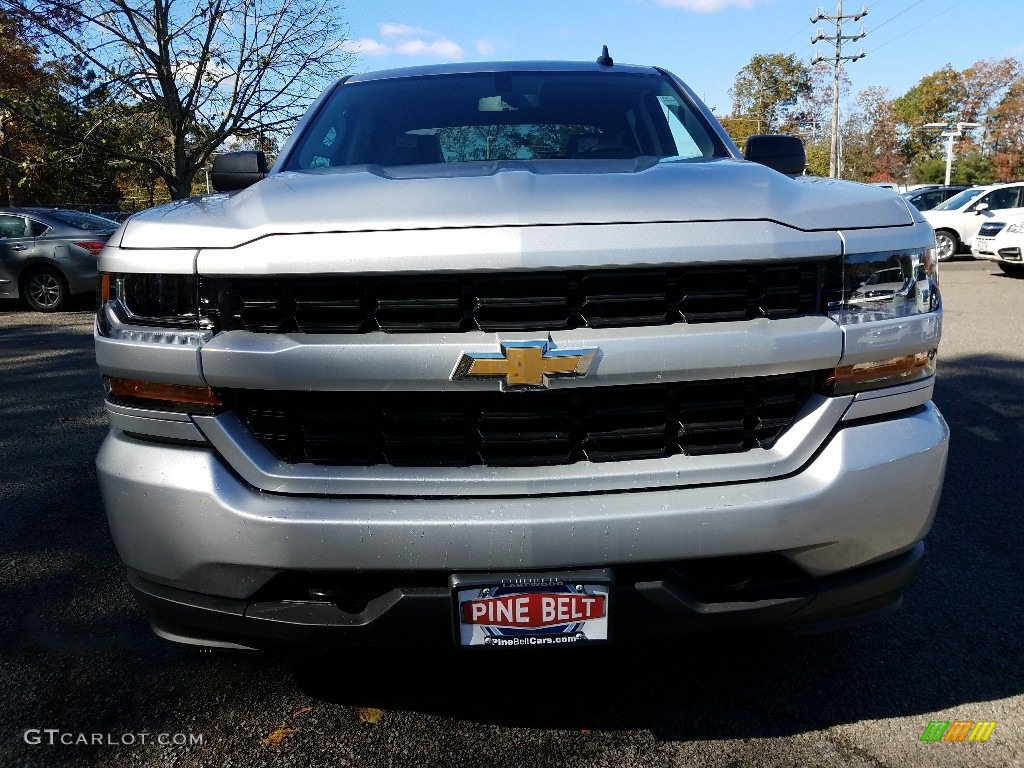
{"type": "Point", "coordinates": [116, 216]}
{"type": "Point", "coordinates": [1002, 242]}
{"type": "Point", "coordinates": [886, 185]}
{"type": "Point", "coordinates": [882, 284]}
{"type": "Point", "coordinates": [48, 255]}
{"type": "Point", "coordinates": [958, 220]}
{"type": "Point", "coordinates": [926, 198]}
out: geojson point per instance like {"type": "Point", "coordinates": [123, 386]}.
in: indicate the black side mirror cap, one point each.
{"type": "Point", "coordinates": [783, 153]}
{"type": "Point", "coordinates": [238, 170]}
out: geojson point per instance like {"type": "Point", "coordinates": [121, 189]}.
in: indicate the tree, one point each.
{"type": "Point", "coordinates": [936, 98]}
{"type": "Point", "coordinates": [984, 83]}
{"type": "Point", "coordinates": [872, 135]}
{"type": "Point", "coordinates": [977, 94]}
{"type": "Point", "coordinates": [811, 115]}
{"type": "Point", "coordinates": [19, 73]}
{"type": "Point", "coordinates": [35, 169]}
{"type": "Point", "coordinates": [818, 152]}
{"type": "Point", "coordinates": [928, 170]}
{"type": "Point", "coordinates": [973, 168]}
{"type": "Point", "coordinates": [766, 90]}
{"type": "Point", "coordinates": [190, 75]}
{"type": "Point", "coordinates": [1005, 127]}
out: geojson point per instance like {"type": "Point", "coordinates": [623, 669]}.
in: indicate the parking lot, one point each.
{"type": "Point", "coordinates": [85, 683]}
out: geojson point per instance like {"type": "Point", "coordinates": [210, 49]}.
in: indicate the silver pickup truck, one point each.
{"type": "Point", "coordinates": [518, 354]}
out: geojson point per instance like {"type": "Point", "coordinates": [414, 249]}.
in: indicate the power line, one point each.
{"type": "Point", "coordinates": [914, 29]}
{"type": "Point", "coordinates": [896, 16]}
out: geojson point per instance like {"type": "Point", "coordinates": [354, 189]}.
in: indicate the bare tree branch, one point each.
{"type": "Point", "coordinates": [198, 71]}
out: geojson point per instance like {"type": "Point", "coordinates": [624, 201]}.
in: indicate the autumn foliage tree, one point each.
{"type": "Point", "coordinates": [950, 96]}
{"type": "Point", "coordinates": [873, 148]}
{"type": "Point", "coordinates": [1006, 132]}
{"type": "Point", "coordinates": [20, 76]}
{"type": "Point", "coordinates": [36, 166]}
{"type": "Point", "coordinates": [174, 80]}
{"type": "Point", "coordinates": [886, 138]}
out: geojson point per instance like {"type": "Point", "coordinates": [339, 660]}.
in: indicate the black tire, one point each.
{"type": "Point", "coordinates": [947, 244]}
{"type": "Point", "coordinates": [1013, 270]}
{"type": "Point", "coordinates": [44, 288]}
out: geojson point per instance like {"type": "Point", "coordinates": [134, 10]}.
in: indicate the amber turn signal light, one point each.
{"type": "Point", "coordinates": [880, 373]}
{"type": "Point", "coordinates": [181, 394]}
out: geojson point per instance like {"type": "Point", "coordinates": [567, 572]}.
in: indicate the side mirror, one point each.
{"type": "Point", "coordinates": [783, 153]}
{"type": "Point", "coordinates": [980, 208]}
{"type": "Point", "coordinates": [238, 170]}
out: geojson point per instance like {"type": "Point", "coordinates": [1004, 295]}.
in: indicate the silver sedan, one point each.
{"type": "Point", "coordinates": [48, 255]}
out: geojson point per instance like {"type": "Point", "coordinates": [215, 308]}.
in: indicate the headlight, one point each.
{"type": "Point", "coordinates": [891, 286]}
{"type": "Point", "coordinates": [154, 308]}
{"type": "Point", "coordinates": [1016, 228]}
{"type": "Point", "coordinates": [887, 285]}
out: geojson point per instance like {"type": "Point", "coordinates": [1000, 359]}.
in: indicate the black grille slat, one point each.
{"type": "Point", "coordinates": [429, 304]}
{"type": "Point", "coordinates": [548, 427]}
{"type": "Point", "coordinates": [517, 301]}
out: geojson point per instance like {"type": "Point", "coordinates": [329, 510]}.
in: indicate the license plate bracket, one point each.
{"type": "Point", "coordinates": [508, 610]}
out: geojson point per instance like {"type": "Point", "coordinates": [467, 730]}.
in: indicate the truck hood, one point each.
{"type": "Point", "coordinates": [503, 194]}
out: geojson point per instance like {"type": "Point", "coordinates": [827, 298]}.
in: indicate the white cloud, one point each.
{"type": "Point", "coordinates": [487, 47]}
{"type": "Point", "coordinates": [707, 6]}
{"type": "Point", "coordinates": [442, 48]}
{"type": "Point", "coordinates": [389, 29]}
{"type": "Point", "coordinates": [366, 46]}
{"type": "Point", "coordinates": [404, 40]}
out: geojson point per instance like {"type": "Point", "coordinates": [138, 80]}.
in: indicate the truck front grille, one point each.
{"type": "Point", "coordinates": [516, 301]}
{"type": "Point", "coordinates": [501, 429]}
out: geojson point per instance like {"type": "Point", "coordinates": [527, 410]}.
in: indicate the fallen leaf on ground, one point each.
{"type": "Point", "coordinates": [275, 738]}
{"type": "Point", "coordinates": [371, 715]}
{"type": "Point", "coordinates": [302, 711]}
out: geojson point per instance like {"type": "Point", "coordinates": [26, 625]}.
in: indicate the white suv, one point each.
{"type": "Point", "coordinates": [958, 220]}
{"type": "Point", "coordinates": [1002, 242]}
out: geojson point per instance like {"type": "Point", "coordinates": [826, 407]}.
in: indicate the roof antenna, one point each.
{"type": "Point", "coordinates": [604, 59]}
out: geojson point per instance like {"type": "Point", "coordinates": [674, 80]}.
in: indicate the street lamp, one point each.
{"type": "Point", "coordinates": [951, 132]}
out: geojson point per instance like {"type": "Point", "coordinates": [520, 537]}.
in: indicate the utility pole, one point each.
{"type": "Point", "coordinates": [837, 61]}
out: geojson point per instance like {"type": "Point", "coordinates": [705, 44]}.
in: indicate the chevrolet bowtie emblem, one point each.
{"type": "Point", "coordinates": [524, 364]}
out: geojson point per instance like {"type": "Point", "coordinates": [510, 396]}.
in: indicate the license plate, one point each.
{"type": "Point", "coordinates": [527, 610]}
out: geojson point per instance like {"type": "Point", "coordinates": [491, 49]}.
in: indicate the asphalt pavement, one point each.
{"type": "Point", "coordinates": [84, 682]}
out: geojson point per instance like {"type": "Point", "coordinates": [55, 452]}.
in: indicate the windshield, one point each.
{"type": "Point", "coordinates": [503, 116]}
{"type": "Point", "coordinates": [958, 200]}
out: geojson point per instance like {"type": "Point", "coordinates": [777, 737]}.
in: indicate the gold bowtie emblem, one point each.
{"type": "Point", "coordinates": [524, 365]}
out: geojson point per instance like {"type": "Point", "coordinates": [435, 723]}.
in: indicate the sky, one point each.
{"type": "Point", "coordinates": [704, 42]}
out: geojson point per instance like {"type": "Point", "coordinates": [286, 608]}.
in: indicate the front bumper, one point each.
{"type": "Point", "coordinates": [985, 250]}
{"type": "Point", "coordinates": [195, 532]}
{"type": "Point", "coordinates": [666, 602]}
